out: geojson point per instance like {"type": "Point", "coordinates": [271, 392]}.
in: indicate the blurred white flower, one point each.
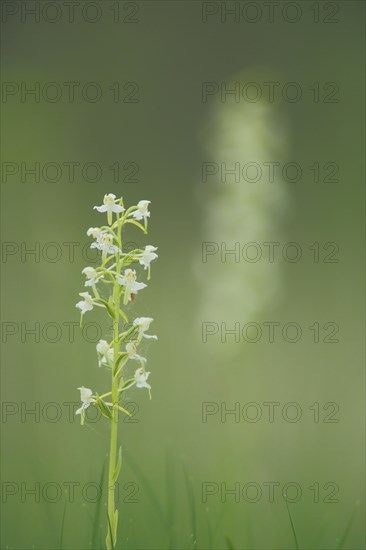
{"type": "Point", "coordinates": [241, 138]}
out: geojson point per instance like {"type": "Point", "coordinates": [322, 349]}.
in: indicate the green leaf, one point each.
{"type": "Point", "coordinates": [107, 305]}
{"type": "Point", "coordinates": [121, 356]}
{"type": "Point", "coordinates": [128, 334]}
{"type": "Point", "coordinates": [125, 411]}
{"type": "Point", "coordinates": [115, 521]}
{"type": "Point", "coordinates": [103, 407]}
{"type": "Point", "coordinates": [117, 370]}
{"type": "Point", "coordinates": [123, 315]}
{"type": "Point", "coordinates": [109, 539]}
{"type": "Point", "coordinates": [118, 466]}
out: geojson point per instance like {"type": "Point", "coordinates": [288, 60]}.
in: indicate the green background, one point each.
{"type": "Point", "coordinates": [169, 132]}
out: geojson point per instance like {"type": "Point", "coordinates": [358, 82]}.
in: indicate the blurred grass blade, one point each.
{"type": "Point", "coordinates": [147, 487]}
{"type": "Point", "coordinates": [209, 529]}
{"type": "Point", "coordinates": [292, 525]}
{"type": "Point", "coordinates": [218, 523]}
{"type": "Point", "coordinates": [62, 526]}
{"type": "Point", "coordinates": [248, 527]}
{"type": "Point", "coordinates": [192, 506]}
{"type": "Point", "coordinates": [98, 506]}
{"type": "Point", "coordinates": [347, 530]}
{"type": "Point", "coordinates": [229, 544]}
{"type": "Point", "coordinates": [171, 498]}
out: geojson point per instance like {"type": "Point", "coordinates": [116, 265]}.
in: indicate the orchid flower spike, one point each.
{"type": "Point", "coordinates": [113, 285]}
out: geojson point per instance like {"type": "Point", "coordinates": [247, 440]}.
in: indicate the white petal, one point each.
{"type": "Point", "coordinates": [117, 208]}
{"type": "Point", "coordinates": [135, 287]}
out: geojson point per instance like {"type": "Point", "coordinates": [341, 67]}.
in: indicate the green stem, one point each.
{"type": "Point", "coordinates": [112, 526]}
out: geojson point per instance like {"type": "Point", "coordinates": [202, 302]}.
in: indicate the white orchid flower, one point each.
{"type": "Point", "coordinates": [106, 352]}
{"type": "Point", "coordinates": [109, 205]}
{"type": "Point", "coordinates": [141, 378]}
{"type": "Point", "coordinates": [86, 400]}
{"type": "Point", "coordinates": [104, 243]}
{"type": "Point", "coordinates": [142, 212]}
{"type": "Point", "coordinates": [92, 276]}
{"type": "Point", "coordinates": [87, 303]}
{"type": "Point", "coordinates": [94, 232]}
{"type": "Point", "coordinates": [131, 350]}
{"type": "Point", "coordinates": [147, 256]}
{"type": "Point", "coordinates": [130, 284]}
{"type": "Point", "coordinates": [143, 324]}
